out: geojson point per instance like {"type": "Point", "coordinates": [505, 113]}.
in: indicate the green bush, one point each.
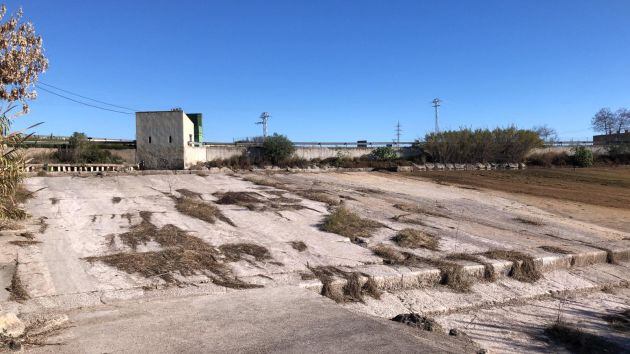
{"type": "Point", "coordinates": [583, 157]}
{"type": "Point", "coordinates": [277, 148]}
{"type": "Point", "coordinates": [481, 145]}
{"type": "Point", "coordinates": [384, 153]}
{"type": "Point", "coordinates": [80, 150]}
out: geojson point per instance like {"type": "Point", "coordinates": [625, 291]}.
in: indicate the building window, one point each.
{"type": "Point", "coordinates": [170, 139]}
{"type": "Point", "coordinates": [149, 139]}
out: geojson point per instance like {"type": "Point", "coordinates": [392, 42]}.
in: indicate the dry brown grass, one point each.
{"type": "Point", "coordinates": [578, 341]}
{"type": "Point", "coordinates": [250, 252]}
{"type": "Point", "coordinates": [27, 235]}
{"type": "Point", "coordinates": [351, 291]}
{"type": "Point", "coordinates": [414, 238]}
{"type": "Point", "coordinates": [201, 210]}
{"type": "Point", "coordinates": [619, 321]}
{"type": "Point", "coordinates": [419, 209]}
{"type": "Point", "coordinates": [318, 196]}
{"type": "Point", "coordinates": [488, 269]}
{"type": "Point", "coordinates": [409, 219]}
{"type": "Point", "coordinates": [298, 246]}
{"type": "Point", "coordinates": [257, 202]}
{"type": "Point", "coordinates": [523, 266]}
{"type": "Point", "coordinates": [529, 220]}
{"type": "Point", "coordinates": [43, 226]}
{"type": "Point", "coordinates": [346, 223]}
{"type": "Point", "coordinates": [54, 201]}
{"type": "Point", "coordinates": [24, 243]}
{"type": "Point", "coordinates": [16, 288]}
{"type": "Point", "coordinates": [554, 249]}
{"type": "Point", "coordinates": [451, 274]}
{"type": "Point", "coordinates": [116, 200]}
{"type": "Point", "coordinates": [188, 193]}
{"type": "Point", "coordinates": [9, 225]}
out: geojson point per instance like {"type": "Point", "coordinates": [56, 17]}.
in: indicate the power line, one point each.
{"type": "Point", "coordinates": [436, 103]}
{"type": "Point", "coordinates": [80, 102]}
{"type": "Point", "coordinates": [264, 119]}
{"type": "Point", "coordinates": [87, 98]}
{"type": "Point", "coordinates": [398, 131]}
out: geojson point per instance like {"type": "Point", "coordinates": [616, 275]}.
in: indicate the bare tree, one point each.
{"type": "Point", "coordinates": [546, 133]}
{"type": "Point", "coordinates": [604, 121]}
{"type": "Point", "coordinates": [622, 120]}
{"type": "Point", "coordinates": [21, 61]}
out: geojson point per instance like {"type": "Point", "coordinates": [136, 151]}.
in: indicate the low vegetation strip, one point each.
{"type": "Point", "coordinates": [353, 290]}
{"type": "Point", "coordinates": [523, 266]}
{"type": "Point", "coordinates": [199, 209]}
{"type": "Point", "coordinates": [414, 238]}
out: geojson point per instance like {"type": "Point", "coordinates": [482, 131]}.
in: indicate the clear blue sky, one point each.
{"type": "Point", "coordinates": [333, 70]}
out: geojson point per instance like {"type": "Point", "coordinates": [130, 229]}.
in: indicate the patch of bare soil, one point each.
{"type": "Point", "coordinates": [183, 255]}
{"type": "Point", "coordinates": [298, 246]}
{"type": "Point", "coordinates": [414, 238]}
{"type": "Point", "coordinates": [523, 266]}
{"type": "Point", "coordinates": [199, 209]}
{"type": "Point", "coordinates": [608, 186]}
{"type": "Point", "coordinates": [318, 195]}
{"type": "Point", "coordinates": [578, 341]}
{"type": "Point", "coordinates": [437, 211]}
{"type": "Point", "coordinates": [351, 291]}
{"type": "Point", "coordinates": [344, 222]}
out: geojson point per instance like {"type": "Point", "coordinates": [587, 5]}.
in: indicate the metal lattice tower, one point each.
{"type": "Point", "coordinates": [264, 119]}
{"type": "Point", "coordinates": [436, 104]}
{"type": "Point", "coordinates": [398, 131]}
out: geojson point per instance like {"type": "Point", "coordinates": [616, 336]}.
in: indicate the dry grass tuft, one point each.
{"type": "Point", "coordinates": [351, 291]}
{"type": "Point", "coordinates": [9, 225]}
{"type": "Point", "coordinates": [388, 253]}
{"type": "Point", "coordinates": [414, 238]}
{"type": "Point", "coordinates": [529, 221]}
{"type": "Point", "coordinates": [16, 289]}
{"type": "Point", "coordinates": [116, 200]}
{"type": "Point", "coordinates": [451, 274]}
{"type": "Point", "coordinates": [418, 321]}
{"type": "Point", "coordinates": [554, 249]}
{"type": "Point", "coordinates": [257, 202]}
{"type": "Point", "coordinates": [318, 196]}
{"type": "Point", "coordinates": [24, 243]}
{"type": "Point", "coordinates": [27, 235]}
{"type": "Point", "coordinates": [200, 210]}
{"type": "Point", "coordinates": [619, 321]}
{"type": "Point", "coordinates": [578, 341]}
{"type": "Point", "coordinates": [488, 269]}
{"type": "Point", "coordinates": [523, 266]}
{"type": "Point", "coordinates": [188, 193]}
{"type": "Point", "coordinates": [298, 246]}
{"type": "Point", "coordinates": [346, 223]}
{"type": "Point", "coordinates": [43, 226]}
{"type": "Point", "coordinates": [54, 201]}
{"type": "Point", "coordinates": [408, 219]}
{"type": "Point", "coordinates": [419, 209]}
{"type": "Point", "coordinates": [235, 252]}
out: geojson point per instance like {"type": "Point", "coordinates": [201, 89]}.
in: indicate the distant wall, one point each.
{"type": "Point", "coordinates": [568, 149]}
{"type": "Point", "coordinates": [127, 155]}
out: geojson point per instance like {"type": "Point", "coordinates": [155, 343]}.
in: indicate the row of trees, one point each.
{"type": "Point", "coordinates": [609, 122]}
{"type": "Point", "coordinates": [481, 145]}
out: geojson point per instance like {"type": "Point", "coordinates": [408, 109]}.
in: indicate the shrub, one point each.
{"type": "Point", "coordinates": [384, 153]}
{"type": "Point", "coordinates": [583, 157]}
{"type": "Point", "coordinates": [277, 148]}
{"type": "Point", "coordinates": [80, 150]}
{"type": "Point", "coordinates": [481, 145]}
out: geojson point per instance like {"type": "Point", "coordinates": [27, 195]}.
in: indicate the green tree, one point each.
{"type": "Point", "coordinates": [384, 153]}
{"type": "Point", "coordinates": [583, 157]}
{"type": "Point", "coordinates": [278, 148]}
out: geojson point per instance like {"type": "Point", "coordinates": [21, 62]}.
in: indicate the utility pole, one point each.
{"type": "Point", "coordinates": [436, 104]}
{"type": "Point", "coordinates": [398, 131]}
{"type": "Point", "coordinates": [264, 118]}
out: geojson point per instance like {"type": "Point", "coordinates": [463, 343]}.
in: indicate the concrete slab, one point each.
{"type": "Point", "coordinates": [286, 320]}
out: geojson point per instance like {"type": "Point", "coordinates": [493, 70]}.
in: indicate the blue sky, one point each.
{"type": "Point", "coordinates": [332, 70]}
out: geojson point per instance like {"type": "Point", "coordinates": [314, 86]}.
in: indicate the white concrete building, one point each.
{"type": "Point", "coordinates": [166, 139]}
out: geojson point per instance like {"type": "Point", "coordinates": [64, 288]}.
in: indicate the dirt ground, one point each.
{"type": "Point", "coordinates": [377, 244]}
{"type": "Point", "coordinates": [598, 195]}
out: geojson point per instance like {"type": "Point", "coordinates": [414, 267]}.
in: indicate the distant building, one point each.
{"type": "Point", "coordinates": [607, 139]}
{"type": "Point", "coordinates": [167, 139]}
